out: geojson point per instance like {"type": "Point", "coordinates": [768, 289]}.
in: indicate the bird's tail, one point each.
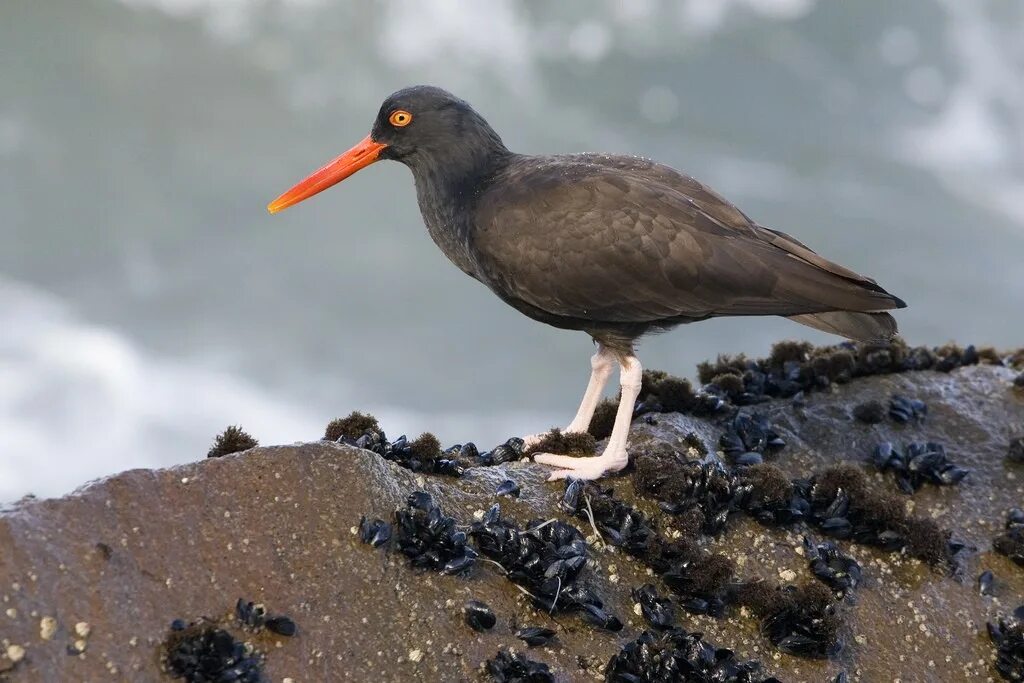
{"type": "Point", "coordinates": [866, 327]}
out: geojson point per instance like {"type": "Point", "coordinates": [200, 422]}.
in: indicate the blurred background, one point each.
{"type": "Point", "coordinates": [147, 300]}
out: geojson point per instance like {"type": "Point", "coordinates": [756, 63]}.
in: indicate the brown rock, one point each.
{"type": "Point", "coordinates": [275, 525]}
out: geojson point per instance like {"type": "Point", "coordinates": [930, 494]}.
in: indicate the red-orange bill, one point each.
{"type": "Point", "coordinates": [360, 156]}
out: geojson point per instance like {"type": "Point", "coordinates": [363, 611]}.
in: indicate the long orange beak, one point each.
{"type": "Point", "coordinates": [360, 156]}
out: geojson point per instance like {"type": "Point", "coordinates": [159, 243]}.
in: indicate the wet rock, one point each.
{"type": "Point", "coordinates": [281, 526]}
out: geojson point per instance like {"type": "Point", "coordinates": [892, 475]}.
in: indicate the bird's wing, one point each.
{"type": "Point", "coordinates": [629, 241]}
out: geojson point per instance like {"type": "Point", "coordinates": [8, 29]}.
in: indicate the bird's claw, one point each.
{"type": "Point", "coordinates": [589, 468]}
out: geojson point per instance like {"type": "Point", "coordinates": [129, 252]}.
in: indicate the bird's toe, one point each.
{"type": "Point", "coordinates": [578, 468]}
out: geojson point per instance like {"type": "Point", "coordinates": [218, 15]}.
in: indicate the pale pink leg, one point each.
{"type": "Point", "coordinates": [614, 457]}
{"type": "Point", "coordinates": [601, 365]}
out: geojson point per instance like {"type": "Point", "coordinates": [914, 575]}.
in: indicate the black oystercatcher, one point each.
{"type": "Point", "coordinates": [615, 246]}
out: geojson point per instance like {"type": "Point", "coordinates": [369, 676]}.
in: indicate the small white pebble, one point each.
{"type": "Point", "coordinates": [416, 655]}
{"type": "Point", "coordinates": [12, 613]}
{"type": "Point", "coordinates": [80, 645]}
{"type": "Point", "coordinates": [47, 628]}
{"type": "Point", "coordinates": [184, 480]}
{"type": "Point", "coordinates": [287, 680]}
{"type": "Point", "coordinates": [787, 574]}
{"type": "Point", "coordinates": [478, 516]}
{"type": "Point", "coordinates": [83, 629]}
{"type": "Point", "coordinates": [636, 609]}
{"type": "Point", "coordinates": [15, 653]}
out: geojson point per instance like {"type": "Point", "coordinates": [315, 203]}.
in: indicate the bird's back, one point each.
{"type": "Point", "coordinates": [623, 241]}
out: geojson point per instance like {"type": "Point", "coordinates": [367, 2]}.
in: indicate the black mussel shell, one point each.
{"type": "Point", "coordinates": [535, 635]}
{"type": "Point", "coordinates": [985, 581]}
{"type": "Point", "coordinates": [282, 626]}
{"type": "Point", "coordinates": [376, 533]}
{"type": "Point", "coordinates": [479, 615]}
{"type": "Point", "coordinates": [598, 617]}
{"type": "Point", "coordinates": [508, 488]}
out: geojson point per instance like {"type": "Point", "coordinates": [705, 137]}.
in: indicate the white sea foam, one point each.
{"type": "Point", "coordinates": [975, 142]}
{"type": "Point", "coordinates": [78, 401]}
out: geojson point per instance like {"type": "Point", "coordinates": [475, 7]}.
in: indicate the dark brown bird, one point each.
{"type": "Point", "coordinates": [615, 246]}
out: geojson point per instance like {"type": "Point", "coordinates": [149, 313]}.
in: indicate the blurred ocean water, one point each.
{"type": "Point", "coordinates": [147, 300]}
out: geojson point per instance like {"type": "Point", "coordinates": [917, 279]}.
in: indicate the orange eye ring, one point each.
{"type": "Point", "coordinates": [400, 118]}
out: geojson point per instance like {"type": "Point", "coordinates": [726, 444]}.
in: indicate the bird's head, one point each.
{"type": "Point", "coordinates": [425, 128]}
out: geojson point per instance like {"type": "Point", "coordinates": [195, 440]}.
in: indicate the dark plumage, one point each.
{"type": "Point", "coordinates": [615, 246]}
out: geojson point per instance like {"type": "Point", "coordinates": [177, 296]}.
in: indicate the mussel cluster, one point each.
{"type": "Point", "coordinates": [837, 570]}
{"type": "Point", "coordinates": [844, 505]}
{"type": "Point", "coordinates": [1011, 541]}
{"type": "Point", "coordinates": [1008, 636]}
{"type": "Point", "coordinates": [903, 409]}
{"type": "Point", "coordinates": [515, 668]}
{"type": "Point", "coordinates": [421, 455]}
{"type": "Point", "coordinates": [698, 577]}
{"type": "Point", "coordinates": [799, 620]}
{"type": "Point", "coordinates": [918, 463]}
{"type": "Point", "coordinates": [677, 655]}
{"type": "Point", "coordinates": [619, 524]}
{"type": "Point", "coordinates": [681, 485]}
{"type": "Point", "coordinates": [502, 453]}
{"type": "Point", "coordinates": [429, 538]}
{"type": "Point", "coordinates": [795, 367]}
{"type": "Point", "coordinates": [201, 653]}
{"type": "Point", "coordinates": [748, 438]}
{"type": "Point", "coordinates": [770, 497]}
{"type": "Point", "coordinates": [661, 392]}
{"type": "Point", "coordinates": [546, 559]}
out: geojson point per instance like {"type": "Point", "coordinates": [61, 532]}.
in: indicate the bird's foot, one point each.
{"type": "Point", "coordinates": [592, 467]}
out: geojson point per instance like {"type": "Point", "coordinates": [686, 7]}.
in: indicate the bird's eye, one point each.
{"type": "Point", "coordinates": [400, 118]}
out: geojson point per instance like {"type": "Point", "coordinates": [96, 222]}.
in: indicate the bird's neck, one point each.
{"type": "Point", "coordinates": [447, 192]}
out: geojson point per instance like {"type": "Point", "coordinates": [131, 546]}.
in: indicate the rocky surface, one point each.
{"type": "Point", "coordinates": [90, 583]}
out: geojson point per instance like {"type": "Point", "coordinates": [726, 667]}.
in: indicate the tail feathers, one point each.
{"type": "Point", "coordinates": [867, 327]}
